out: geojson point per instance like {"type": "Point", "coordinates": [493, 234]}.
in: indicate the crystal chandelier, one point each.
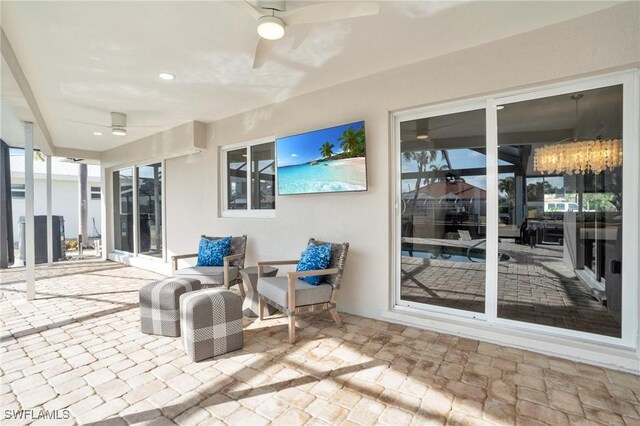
{"type": "Point", "coordinates": [578, 156]}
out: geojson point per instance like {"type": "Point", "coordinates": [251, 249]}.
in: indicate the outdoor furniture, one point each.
{"type": "Point", "coordinates": [211, 323]}
{"type": "Point", "coordinates": [216, 276]}
{"type": "Point", "coordinates": [160, 302]}
{"type": "Point", "coordinates": [293, 296]}
{"type": "Point", "coordinates": [250, 306]}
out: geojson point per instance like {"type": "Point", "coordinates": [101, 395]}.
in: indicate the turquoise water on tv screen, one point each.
{"type": "Point", "coordinates": [331, 176]}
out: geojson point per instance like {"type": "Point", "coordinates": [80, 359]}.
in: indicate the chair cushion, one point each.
{"type": "Point", "coordinates": [314, 257]}
{"type": "Point", "coordinates": [276, 289]}
{"type": "Point", "coordinates": [208, 274]}
{"type": "Point", "coordinates": [212, 252]}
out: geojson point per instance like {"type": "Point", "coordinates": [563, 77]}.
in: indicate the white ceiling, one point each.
{"type": "Point", "coordinates": [85, 59]}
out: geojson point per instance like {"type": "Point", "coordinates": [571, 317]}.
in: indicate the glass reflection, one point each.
{"type": "Point", "coordinates": [123, 210]}
{"type": "Point", "coordinates": [237, 179]}
{"type": "Point", "coordinates": [562, 229]}
{"type": "Point", "coordinates": [263, 177]}
{"type": "Point", "coordinates": [150, 209]}
{"type": "Point", "coordinates": [444, 210]}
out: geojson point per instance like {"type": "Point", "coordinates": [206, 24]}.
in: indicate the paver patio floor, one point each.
{"type": "Point", "coordinates": [78, 347]}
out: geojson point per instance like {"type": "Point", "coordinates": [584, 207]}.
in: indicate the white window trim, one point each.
{"type": "Point", "coordinates": [453, 320]}
{"type": "Point", "coordinates": [224, 196]}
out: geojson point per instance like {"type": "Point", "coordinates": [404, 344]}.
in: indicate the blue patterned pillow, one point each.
{"type": "Point", "coordinates": [313, 258]}
{"type": "Point", "coordinates": [211, 252]}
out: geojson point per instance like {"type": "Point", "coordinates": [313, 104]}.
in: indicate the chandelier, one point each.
{"type": "Point", "coordinates": [577, 156]}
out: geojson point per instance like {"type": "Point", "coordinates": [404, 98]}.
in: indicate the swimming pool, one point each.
{"type": "Point", "coordinates": [452, 254]}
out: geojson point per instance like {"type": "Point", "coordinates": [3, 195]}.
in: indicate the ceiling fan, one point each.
{"type": "Point", "coordinates": [272, 19]}
{"type": "Point", "coordinates": [118, 124]}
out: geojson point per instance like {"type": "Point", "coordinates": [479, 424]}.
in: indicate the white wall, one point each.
{"type": "Point", "coordinates": [64, 203]}
{"type": "Point", "coordinates": [598, 43]}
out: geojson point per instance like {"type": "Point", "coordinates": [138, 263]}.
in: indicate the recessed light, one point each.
{"type": "Point", "coordinates": [97, 133]}
{"type": "Point", "coordinates": [166, 76]}
{"type": "Point", "coordinates": [499, 107]}
{"type": "Point", "coordinates": [119, 131]}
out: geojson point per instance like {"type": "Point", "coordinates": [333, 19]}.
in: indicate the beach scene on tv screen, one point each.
{"type": "Point", "coordinates": [327, 160]}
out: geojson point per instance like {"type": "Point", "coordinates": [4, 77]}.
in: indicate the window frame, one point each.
{"type": "Point", "coordinates": [134, 188]}
{"type": "Point", "coordinates": [224, 176]}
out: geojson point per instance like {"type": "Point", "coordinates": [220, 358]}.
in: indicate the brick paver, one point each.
{"type": "Point", "coordinates": [78, 347]}
{"type": "Point", "coordinates": [534, 285]}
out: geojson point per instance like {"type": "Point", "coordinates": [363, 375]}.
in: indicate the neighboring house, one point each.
{"type": "Point", "coordinates": [65, 188]}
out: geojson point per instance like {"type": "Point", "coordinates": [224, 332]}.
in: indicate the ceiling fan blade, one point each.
{"type": "Point", "coordinates": [263, 49]}
{"type": "Point", "coordinates": [92, 124]}
{"type": "Point", "coordinates": [325, 12]}
{"type": "Point", "coordinates": [247, 7]}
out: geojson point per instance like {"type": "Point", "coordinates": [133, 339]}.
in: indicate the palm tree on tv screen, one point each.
{"type": "Point", "coordinates": [326, 150]}
{"type": "Point", "coordinates": [352, 142]}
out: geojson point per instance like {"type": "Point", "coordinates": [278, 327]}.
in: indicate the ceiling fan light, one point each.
{"type": "Point", "coordinates": [271, 27]}
{"type": "Point", "coordinates": [118, 131]}
{"type": "Point", "coordinates": [422, 136]}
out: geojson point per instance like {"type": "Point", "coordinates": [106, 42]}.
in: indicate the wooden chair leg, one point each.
{"type": "Point", "coordinates": [260, 308]}
{"type": "Point", "coordinates": [335, 316]}
{"type": "Point", "coordinates": [241, 288]}
{"type": "Point", "coordinates": [292, 328]}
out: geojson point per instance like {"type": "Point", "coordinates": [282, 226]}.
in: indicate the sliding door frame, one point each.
{"type": "Point", "coordinates": [630, 80]}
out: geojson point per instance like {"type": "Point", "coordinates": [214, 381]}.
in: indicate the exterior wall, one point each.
{"type": "Point", "coordinates": [603, 42]}
{"type": "Point", "coordinates": [64, 203]}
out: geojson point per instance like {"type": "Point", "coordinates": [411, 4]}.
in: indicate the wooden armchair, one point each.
{"type": "Point", "coordinates": [216, 276]}
{"type": "Point", "coordinates": [293, 296]}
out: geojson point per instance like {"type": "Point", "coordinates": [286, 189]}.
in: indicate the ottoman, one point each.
{"type": "Point", "coordinates": [159, 304]}
{"type": "Point", "coordinates": [211, 323]}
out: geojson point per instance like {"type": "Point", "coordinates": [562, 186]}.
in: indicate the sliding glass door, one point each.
{"type": "Point", "coordinates": [444, 198]}
{"type": "Point", "coordinates": [560, 204]}
{"type": "Point", "coordinates": [138, 210]}
{"type": "Point", "coordinates": [150, 210]}
{"type": "Point", "coordinates": [521, 210]}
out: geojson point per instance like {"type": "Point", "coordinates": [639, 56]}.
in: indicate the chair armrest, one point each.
{"type": "Point", "coordinates": [274, 262]}
{"type": "Point", "coordinates": [232, 257]}
{"type": "Point", "coordinates": [174, 260]}
{"type": "Point", "coordinates": [292, 276]}
{"type": "Point", "coordinates": [298, 274]}
{"type": "Point", "coordinates": [225, 263]}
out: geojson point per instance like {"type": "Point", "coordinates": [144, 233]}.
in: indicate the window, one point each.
{"type": "Point", "coordinates": [95, 193]}
{"type": "Point", "coordinates": [249, 180]}
{"type": "Point", "coordinates": [150, 210]}
{"type": "Point", "coordinates": [17, 190]}
{"type": "Point", "coordinates": [123, 210]}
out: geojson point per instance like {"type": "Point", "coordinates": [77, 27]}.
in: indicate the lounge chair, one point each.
{"type": "Point", "coordinates": [216, 276]}
{"type": "Point", "coordinates": [293, 296]}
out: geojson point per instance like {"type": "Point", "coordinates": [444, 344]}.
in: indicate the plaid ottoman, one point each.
{"type": "Point", "coordinates": [211, 323]}
{"type": "Point", "coordinates": [159, 303]}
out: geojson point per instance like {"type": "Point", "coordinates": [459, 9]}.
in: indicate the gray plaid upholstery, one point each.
{"type": "Point", "coordinates": [208, 275]}
{"type": "Point", "coordinates": [211, 323]}
{"type": "Point", "coordinates": [159, 304]}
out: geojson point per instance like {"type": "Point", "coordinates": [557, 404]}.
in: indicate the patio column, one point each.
{"type": "Point", "coordinates": [49, 214]}
{"type": "Point", "coordinates": [30, 237]}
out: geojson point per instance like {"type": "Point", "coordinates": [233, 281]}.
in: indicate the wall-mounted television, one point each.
{"type": "Point", "coordinates": [327, 160]}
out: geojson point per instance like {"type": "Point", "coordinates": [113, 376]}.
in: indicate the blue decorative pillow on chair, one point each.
{"type": "Point", "coordinates": [313, 258]}
{"type": "Point", "coordinates": [212, 252]}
